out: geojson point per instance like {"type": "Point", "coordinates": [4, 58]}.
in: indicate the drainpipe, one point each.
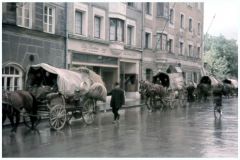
{"type": "Point", "coordinates": [66, 37]}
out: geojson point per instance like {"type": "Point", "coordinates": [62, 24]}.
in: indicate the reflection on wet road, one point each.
{"type": "Point", "coordinates": [183, 132]}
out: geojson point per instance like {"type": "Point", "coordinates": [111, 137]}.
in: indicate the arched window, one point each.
{"type": "Point", "coordinates": [12, 78]}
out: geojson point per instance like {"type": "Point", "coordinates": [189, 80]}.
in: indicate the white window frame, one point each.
{"type": "Point", "coordinates": [102, 14]}
{"type": "Point", "coordinates": [117, 30]}
{"type": "Point", "coordinates": [183, 27]}
{"type": "Point", "coordinates": [190, 52]}
{"type": "Point", "coordinates": [22, 6]}
{"type": "Point", "coordinates": [159, 40]}
{"type": "Point", "coordinates": [149, 16]}
{"type": "Point", "coordinates": [172, 38]}
{"type": "Point", "coordinates": [199, 29]}
{"type": "Point", "coordinates": [183, 49]}
{"type": "Point", "coordinates": [148, 30]}
{"type": "Point", "coordinates": [132, 23]}
{"type": "Point", "coordinates": [189, 25]}
{"type": "Point", "coordinates": [198, 54]}
{"type": "Point", "coordinates": [53, 19]}
{"type": "Point", "coordinates": [80, 7]}
{"type": "Point", "coordinates": [12, 78]}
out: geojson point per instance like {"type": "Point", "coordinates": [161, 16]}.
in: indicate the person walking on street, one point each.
{"type": "Point", "coordinates": [217, 94]}
{"type": "Point", "coordinates": [117, 100]}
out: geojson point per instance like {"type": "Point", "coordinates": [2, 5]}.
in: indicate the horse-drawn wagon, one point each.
{"type": "Point", "coordinates": [206, 86]}
{"type": "Point", "coordinates": [62, 94]}
{"type": "Point", "coordinates": [166, 91]}
{"type": "Point", "coordinates": [230, 87]}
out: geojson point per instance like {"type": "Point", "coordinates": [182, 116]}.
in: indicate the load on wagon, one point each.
{"type": "Point", "coordinates": [66, 93]}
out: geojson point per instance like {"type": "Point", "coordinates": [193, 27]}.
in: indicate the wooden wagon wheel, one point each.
{"type": "Point", "coordinates": [88, 111]}
{"type": "Point", "coordinates": [57, 117]}
{"type": "Point", "coordinates": [27, 120]}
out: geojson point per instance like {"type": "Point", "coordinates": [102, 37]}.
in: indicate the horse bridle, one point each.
{"type": "Point", "coordinates": [8, 100]}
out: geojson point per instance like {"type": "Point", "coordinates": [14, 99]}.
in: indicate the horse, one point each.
{"type": "Point", "coordinates": [150, 92]}
{"type": "Point", "coordinates": [12, 104]}
{"type": "Point", "coordinates": [203, 91]}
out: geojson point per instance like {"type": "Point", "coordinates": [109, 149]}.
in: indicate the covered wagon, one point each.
{"type": "Point", "coordinates": [66, 93]}
{"type": "Point", "coordinates": [175, 94]}
{"type": "Point", "coordinates": [230, 87]}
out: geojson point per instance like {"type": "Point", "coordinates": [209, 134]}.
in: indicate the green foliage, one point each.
{"type": "Point", "coordinates": [221, 55]}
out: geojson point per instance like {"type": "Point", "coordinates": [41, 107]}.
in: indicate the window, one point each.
{"type": "Point", "coordinates": [199, 28]}
{"type": "Point", "coordinates": [116, 29]}
{"type": "Point", "coordinates": [190, 50]}
{"type": "Point", "coordinates": [170, 45]}
{"type": "Point", "coordinates": [182, 21]}
{"type": "Point", "coordinates": [130, 4]}
{"type": "Point", "coordinates": [148, 8]}
{"type": "Point", "coordinates": [147, 40]}
{"type": "Point", "coordinates": [162, 9]}
{"type": "Point", "coordinates": [129, 35]}
{"type": "Point", "coordinates": [78, 22]}
{"type": "Point", "coordinates": [49, 19]}
{"type": "Point", "coordinates": [97, 26]}
{"type": "Point", "coordinates": [161, 41]}
{"type": "Point", "coordinates": [181, 48]}
{"type": "Point", "coordinates": [24, 15]}
{"type": "Point", "coordinates": [149, 74]}
{"type": "Point", "coordinates": [171, 16]}
{"type": "Point", "coordinates": [198, 51]}
{"type": "Point", "coordinates": [11, 78]}
{"type": "Point", "coordinates": [190, 24]}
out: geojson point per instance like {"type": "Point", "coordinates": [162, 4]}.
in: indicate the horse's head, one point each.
{"type": "Point", "coordinates": [5, 97]}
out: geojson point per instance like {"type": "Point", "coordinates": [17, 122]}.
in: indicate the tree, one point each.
{"type": "Point", "coordinates": [221, 55]}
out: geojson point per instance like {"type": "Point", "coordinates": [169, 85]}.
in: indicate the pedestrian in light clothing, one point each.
{"type": "Point", "coordinates": [117, 100]}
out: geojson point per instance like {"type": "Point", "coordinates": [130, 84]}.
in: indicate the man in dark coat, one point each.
{"type": "Point", "coordinates": [117, 100]}
{"type": "Point", "coordinates": [217, 94]}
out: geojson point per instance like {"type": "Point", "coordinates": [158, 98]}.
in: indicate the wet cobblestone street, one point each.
{"type": "Point", "coordinates": [182, 132]}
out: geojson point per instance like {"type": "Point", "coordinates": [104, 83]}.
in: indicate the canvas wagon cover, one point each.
{"type": "Point", "coordinates": [68, 81]}
{"type": "Point", "coordinates": [234, 83]}
{"type": "Point", "coordinates": [210, 79]}
{"type": "Point", "coordinates": [170, 80]}
{"type": "Point", "coordinates": [176, 81]}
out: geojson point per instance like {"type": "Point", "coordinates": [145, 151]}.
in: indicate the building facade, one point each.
{"type": "Point", "coordinates": [32, 33]}
{"type": "Point", "coordinates": [106, 37]}
{"type": "Point", "coordinates": [173, 37]}
{"type": "Point", "coordinates": [124, 42]}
